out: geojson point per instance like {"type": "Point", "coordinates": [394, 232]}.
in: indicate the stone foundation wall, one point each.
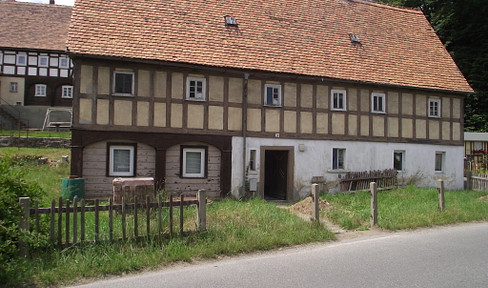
{"type": "Point", "coordinates": [34, 142]}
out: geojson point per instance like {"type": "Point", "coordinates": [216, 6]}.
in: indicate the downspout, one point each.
{"type": "Point", "coordinates": [244, 130]}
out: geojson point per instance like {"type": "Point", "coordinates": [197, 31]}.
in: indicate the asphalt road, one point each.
{"type": "Point", "coordinates": [454, 256]}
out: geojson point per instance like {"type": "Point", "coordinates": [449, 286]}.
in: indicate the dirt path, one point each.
{"type": "Point", "coordinates": [303, 209]}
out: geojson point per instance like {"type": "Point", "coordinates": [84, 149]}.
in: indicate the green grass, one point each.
{"type": "Point", "coordinates": [407, 208]}
{"type": "Point", "coordinates": [49, 177]}
{"type": "Point", "coordinates": [24, 133]}
{"type": "Point", "coordinates": [233, 227]}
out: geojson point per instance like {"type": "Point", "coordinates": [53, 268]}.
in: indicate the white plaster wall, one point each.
{"type": "Point", "coordinates": [316, 160]}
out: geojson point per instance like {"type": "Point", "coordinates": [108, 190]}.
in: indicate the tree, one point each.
{"type": "Point", "coordinates": [462, 27]}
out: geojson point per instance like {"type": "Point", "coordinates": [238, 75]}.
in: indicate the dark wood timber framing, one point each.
{"type": "Point", "coordinates": [160, 142]}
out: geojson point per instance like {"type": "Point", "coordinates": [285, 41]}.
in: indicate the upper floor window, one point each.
{"type": "Point", "coordinates": [67, 91]}
{"type": "Point", "coordinates": [195, 88]}
{"type": "Point", "coordinates": [194, 159]}
{"type": "Point", "coordinates": [40, 90]}
{"type": "Point", "coordinates": [434, 108]}
{"type": "Point", "coordinates": [1, 58]}
{"type": "Point", "coordinates": [378, 102]}
{"type": "Point", "coordinates": [121, 159]}
{"type": "Point", "coordinates": [272, 95]}
{"type": "Point", "coordinates": [399, 160]}
{"type": "Point", "coordinates": [252, 160]}
{"type": "Point", "coordinates": [338, 156]}
{"type": "Point", "coordinates": [43, 61]}
{"type": "Point", "coordinates": [338, 99]}
{"type": "Point", "coordinates": [14, 87]}
{"type": "Point", "coordinates": [63, 62]}
{"type": "Point", "coordinates": [21, 59]}
{"type": "Point", "coordinates": [124, 83]}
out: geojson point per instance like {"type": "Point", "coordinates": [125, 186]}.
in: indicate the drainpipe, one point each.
{"type": "Point", "coordinates": [244, 129]}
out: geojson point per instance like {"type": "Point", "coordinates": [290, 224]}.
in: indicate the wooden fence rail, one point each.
{"type": "Point", "coordinates": [74, 230]}
{"type": "Point", "coordinates": [356, 181]}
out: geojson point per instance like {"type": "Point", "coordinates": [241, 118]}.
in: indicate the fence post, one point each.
{"type": "Point", "coordinates": [374, 203]}
{"type": "Point", "coordinates": [440, 190]}
{"type": "Point", "coordinates": [202, 210]}
{"type": "Point", "coordinates": [24, 225]}
{"type": "Point", "coordinates": [315, 204]}
{"type": "Point", "coordinates": [469, 180]}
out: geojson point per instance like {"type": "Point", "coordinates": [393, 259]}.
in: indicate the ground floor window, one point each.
{"type": "Point", "coordinates": [439, 161]}
{"type": "Point", "coordinates": [121, 159]}
{"type": "Point", "coordinates": [338, 156]}
{"type": "Point", "coordinates": [193, 162]}
{"type": "Point", "coordinates": [398, 160]}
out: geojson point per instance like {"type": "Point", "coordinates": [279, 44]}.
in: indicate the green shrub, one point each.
{"type": "Point", "coordinates": [12, 186]}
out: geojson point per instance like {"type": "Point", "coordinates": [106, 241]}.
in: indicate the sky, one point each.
{"type": "Point", "coordinates": [58, 2]}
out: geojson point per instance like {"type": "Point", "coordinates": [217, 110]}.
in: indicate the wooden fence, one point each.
{"type": "Point", "coordinates": [356, 181]}
{"type": "Point", "coordinates": [477, 181]}
{"type": "Point", "coordinates": [66, 232]}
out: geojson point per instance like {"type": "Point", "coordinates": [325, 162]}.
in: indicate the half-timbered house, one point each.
{"type": "Point", "coordinates": [35, 71]}
{"type": "Point", "coordinates": [261, 96]}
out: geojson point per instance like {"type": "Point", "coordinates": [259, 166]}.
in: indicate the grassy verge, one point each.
{"type": "Point", "coordinates": [233, 227]}
{"type": "Point", "coordinates": [406, 208]}
{"type": "Point", "coordinates": [23, 133]}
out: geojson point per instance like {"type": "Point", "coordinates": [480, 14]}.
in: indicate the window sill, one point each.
{"type": "Point", "coordinates": [272, 106]}
{"type": "Point", "coordinates": [338, 110]}
{"type": "Point", "coordinates": [123, 94]}
{"type": "Point", "coordinates": [338, 171]}
{"type": "Point", "coordinates": [378, 112]}
{"type": "Point", "coordinates": [195, 100]}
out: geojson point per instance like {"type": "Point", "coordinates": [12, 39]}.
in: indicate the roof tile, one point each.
{"type": "Point", "coordinates": [306, 37]}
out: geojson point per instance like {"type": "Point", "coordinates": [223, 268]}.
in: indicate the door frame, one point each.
{"type": "Point", "coordinates": [290, 169]}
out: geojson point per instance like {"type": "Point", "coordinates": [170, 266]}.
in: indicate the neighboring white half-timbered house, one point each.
{"type": "Point", "coordinates": [240, 95]}
{"type": "Point", "coordinates": [35, 71]}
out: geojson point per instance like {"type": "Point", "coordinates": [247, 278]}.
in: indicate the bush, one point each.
{"type": "Point", "coordinates": [13, 186]}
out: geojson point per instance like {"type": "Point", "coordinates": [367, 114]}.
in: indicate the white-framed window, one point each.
{"type": "Point", "coordinates": [399, 160]}
{"type": "Point", "coordinates": [40, 90]}
{"type": "Point", "coordinates": [63, 62]}
{"type": "Point", "coordinates": [338, 99]}
{"type": "Point", "coordinates": [21, 59]}
{"type": "Point", "coordinates": [272, 94]}
{"type": "Point", "coordinates": [123, 83]}
{"type": "Point", "coordinates": [434, 107]}
{"type": "Point", "coordinates": [121, 159]}
{"type": "Point", "coordinates": [252, 160]}
{"type": "Point", "coordinates": [14, 87]}
{"type": "Point", "coordinates": [378, 101]}
{"type": "Point", "coordinates": [195, 88]}
{"type": "Point", "coordinates": [43, 61]}
{"type": "Point", "coordinates": [1, 58]}
{"type": "Point", "coordinates": [439, 161]}
{"type": "Point", "coordinates": [338, 157]}
{"type": "Point", "coordinates": [67, 91]}
{"type": "Point", "coordinates": [193, 162]}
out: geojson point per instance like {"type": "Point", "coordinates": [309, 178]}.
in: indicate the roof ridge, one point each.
{"type": "Point", "coordinates": [44, 5]}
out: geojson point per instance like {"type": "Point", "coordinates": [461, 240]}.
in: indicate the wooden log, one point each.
{"type": "Point", "coordinates": [24, 225]}
{"type": "Point", "coordinates": [82, 220]}
{"type": "Point", "coordinates": [170, 215]}
{"type": "Point", "coordinates": [67, 222]}
{"type": "Point", "coordinates": [97, 221]}
{"type": "Point", "coordinates": [110, 220]}
{"type": "Point", "coordinates": [60, 220]}
{"type": "Point", "coordinates": [53, 215]}
{"type": "Point", "coordinates": [148, 217]}
{"type": "Point", "coordinates": [36, 207]}
{"type": "Point", "coordinates": [315, 202]}
{"type": "Point", "coordinates": [75, 219]}
{"type": "Point", "coordinates": [124, 224]}
{"type": "Point", "coordinates": [374, 204]}
{"type": "Point", "coordinates": [181, 214]}
{"type": "Point", "coordinates": [160, 219]}
{"type": "Point", "coordinates": [136, 232]}
{"type": "Point", "coordinates": [440, 189]}
{"type": "Point", "coordinates": [202, 210]}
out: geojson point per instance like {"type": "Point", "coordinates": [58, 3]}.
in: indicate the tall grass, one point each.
{"type": "Point", "coordinates": [24, 133]}
{"type": "Point", "coordinates": [406, 208]}
{"type": "Point", "coordinates": [233, 227]}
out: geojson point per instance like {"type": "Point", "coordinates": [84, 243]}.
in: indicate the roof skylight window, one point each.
{"type": "Point", "coordinates": [354, 38]}
{"type": "Point", "coordinates": [230, 21]}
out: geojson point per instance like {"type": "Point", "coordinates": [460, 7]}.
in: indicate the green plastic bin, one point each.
{"type": "Point", "coordinates": [72, 187]}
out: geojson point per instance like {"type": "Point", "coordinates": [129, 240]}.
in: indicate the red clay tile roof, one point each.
{"type": "Point", "coordinates": [304, 37]}
{"type": "Point", "coordinates": [34, 26]}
